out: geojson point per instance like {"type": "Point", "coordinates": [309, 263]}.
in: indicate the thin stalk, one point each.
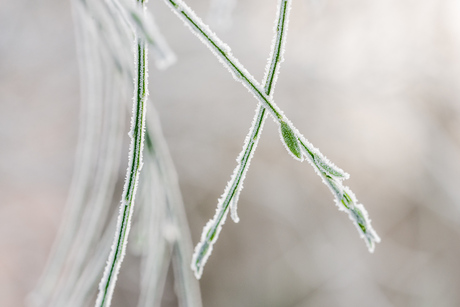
{"type": "Point", "coordinates": [230, 196]}
{"type": "Point", "coordinates": [291, 137]}
{"type": "Point", "coordinates": [295, 143]}
{"type": "Point", "coordinates": [107, 284]}
{"type": "Point", "coordinates": [224, 54]}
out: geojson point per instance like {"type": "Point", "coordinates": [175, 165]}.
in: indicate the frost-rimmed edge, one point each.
{"type": "Point", "coordinates": [313, 155]}
{"type": "Point", "coordinates": [108, 281]}
{"type": "Point", "coordinates": [231, 193]}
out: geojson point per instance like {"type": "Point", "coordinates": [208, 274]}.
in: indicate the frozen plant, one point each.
{"type": "Point", "coordinates": [295, 143]}
{"type": "Point", "coordinates": [105, 32]}
{"type": "Point", "coordinates": [109, 34]}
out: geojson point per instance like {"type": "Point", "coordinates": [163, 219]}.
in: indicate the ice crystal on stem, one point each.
{"type": "Point", "coordinates": [295, 143]}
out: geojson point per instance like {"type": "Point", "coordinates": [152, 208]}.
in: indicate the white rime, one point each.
{"type": "Point", "coordinates": [235, 185]}
{"type": "Point", "coordinates": [291, 138]}
{"type": "Point", "coordinates": [105, 31]}
{"type": "Point", "coordinates": [108, 281]}
{"type": "Point", "coordinates": [345, 199]}
{"type": "Point", "coordinates": [223, 52]}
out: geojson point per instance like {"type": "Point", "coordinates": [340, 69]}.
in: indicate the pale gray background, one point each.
{"type": "Point", "coordinates": [374, 84]}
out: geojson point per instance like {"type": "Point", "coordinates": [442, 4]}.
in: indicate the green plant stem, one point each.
{"type": "Point", "coordinates": [108, 281]}
{"type": "Point", "coordinates": [211, 233]}
{"type": "Point", "coordinates": [295, 143]}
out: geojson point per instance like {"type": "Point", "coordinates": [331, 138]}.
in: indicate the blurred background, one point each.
{"type": "Point", "coordinates": [375, 85]}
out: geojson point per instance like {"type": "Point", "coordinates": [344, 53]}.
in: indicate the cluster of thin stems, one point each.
{"type": "Point", "coordinates": [105, 32]}
{"type": "Point", "coordinates": [295, 143]}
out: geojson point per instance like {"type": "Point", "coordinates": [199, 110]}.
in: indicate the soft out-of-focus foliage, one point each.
{"type": "Point", "coordinates": [375, 85]}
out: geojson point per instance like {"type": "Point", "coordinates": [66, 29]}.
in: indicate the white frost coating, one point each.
{"type": "Point", "coordinates": [220, 13]}
{"type": "Point", "coordinates": [328, 167]}
{"type": "Point", "coordinates": [358, 214]}
{"type": "Point", "coordinates": [278, 46]}
{"type": "Point", "coordinates": [319, 160]}
{"type": "Point", "coordinates": [235, 185]}
{"type": "Point", "coordinates": [345, 199]}
{"type": "Point", "coordinates": [204, 249]}
{"type": "Point", "coordinates": [244, 160]}
{"type": "Point", "coordinates": [270, 78]}
{"type": "Point", "coordinates": [322, 165]}
{"type": "Point", "coordinates": [223, 53]}
{"type": "Point", "coordinates": [118, 250]}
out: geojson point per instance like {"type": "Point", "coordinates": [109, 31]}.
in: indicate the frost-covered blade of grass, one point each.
{"type": "Point", "coordinates": [295, 143]}
{"type": "Point", "coordinates": [107, 284]}
{"type": "Point", "coordinates": [239, 72]}
{"type": "Point", "coordinates": [344, 197]}
{"type": "Point", "coordinates": [223, 53]}
{"type": "Point", "coordinates": [105, 33]}
{"type": "Point", "coordinates": [231, 194]}
{"type": "Point", "coordinates": [333, 177]}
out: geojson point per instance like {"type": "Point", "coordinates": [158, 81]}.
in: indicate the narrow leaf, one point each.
{"type": "Point", "coordinates": [290, 140]}
{"type": "Point", "coordinates": [329, 168]}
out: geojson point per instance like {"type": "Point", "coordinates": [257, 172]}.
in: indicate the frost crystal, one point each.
{"type": "Point", "coordinates": [295, 143]}
{"type": "Point", "coordinates": [118, 250]}
{"type": "Point", "coordinates": [235, 185]}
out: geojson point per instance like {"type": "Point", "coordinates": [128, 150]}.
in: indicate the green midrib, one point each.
{"type": "Point", "coordinates": [137, 136]}
{"type": "Point", "coordinates": [255, 134]}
